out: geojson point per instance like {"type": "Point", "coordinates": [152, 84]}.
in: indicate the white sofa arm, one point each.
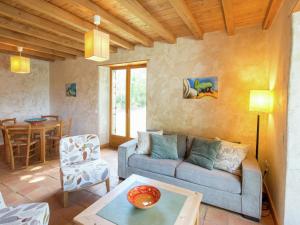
{"type": "Point", "coordinates": [251, 188]}
{"type": "Point", "coordinates": [124, 152]}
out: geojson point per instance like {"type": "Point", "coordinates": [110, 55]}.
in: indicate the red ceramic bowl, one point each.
{"type": "Point", "coordinates": [144, 196]}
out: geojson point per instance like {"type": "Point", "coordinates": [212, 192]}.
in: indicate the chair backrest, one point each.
{"type": "Point", "coordinates": [18, 133]}
{"type": "Point", "coordinates": [66, 126]}
{"type": "Point", "coordinates": [2, 203]}
{"type": "Point", "coordinates": [79, 148]}
{"type": "Point", "coordinates": [50, 117]}
{"type": "Point", "coordinates": [9, 121]}
{"type": "Point", "coordinates": [4, 123]}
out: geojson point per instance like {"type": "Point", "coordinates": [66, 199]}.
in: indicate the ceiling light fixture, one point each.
{"type": "Point", "coordinates": [96, 43]}
{"type": "Point", "coordinates": [19, 64]}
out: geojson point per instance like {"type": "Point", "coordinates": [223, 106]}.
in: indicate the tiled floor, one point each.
{"type": "Point", "coordinates": [41, 183]}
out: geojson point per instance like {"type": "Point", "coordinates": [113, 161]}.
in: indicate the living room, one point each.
{"type": "Point", "coordinates": [243, 51]}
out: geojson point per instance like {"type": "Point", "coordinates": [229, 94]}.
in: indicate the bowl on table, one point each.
{"type": "Point", "coordinates": [143, 196]}
{"type": "Point", "coordinates": [34, 121]}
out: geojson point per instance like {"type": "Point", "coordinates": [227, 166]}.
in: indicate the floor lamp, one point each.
{"type": "Point", "coordinates": [261, 101]}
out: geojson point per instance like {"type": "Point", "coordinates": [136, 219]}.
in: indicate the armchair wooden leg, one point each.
{"type": "Point", "coordinates": [107, 185]}
{"type": "Point", "coordinates": [66, 199]}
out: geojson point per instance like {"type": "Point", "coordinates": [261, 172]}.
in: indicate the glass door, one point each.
{"type": "Point", "coordinates": [128, 103]}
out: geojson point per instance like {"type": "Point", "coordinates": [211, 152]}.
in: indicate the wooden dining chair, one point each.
{"type": "Point", "coordinates": [3, 123]}
{"type": "Point", "coordinates": [51, 117]}
{"type": "Point", "coordinates": [66, 127]}
{"type": "Point", "coordinates": [64, 130]}
{"type": "Point", "coordinates": [20, 143]}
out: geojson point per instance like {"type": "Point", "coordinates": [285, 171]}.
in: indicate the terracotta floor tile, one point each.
{"type": "Point", "coordinates": [217, 216]}
{"type": "Point", "coordinates": [57, 219]}
{"type": "Point", "coordinates": [239, 220]}
{"type": "Point", "coordinates": [26, 189]}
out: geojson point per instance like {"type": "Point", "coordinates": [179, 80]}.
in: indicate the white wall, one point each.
{"type": "Point", "coordinates": [292, 196]}
{"type": "Point", "coordinates": [239, 62]}
{"type": "Point", "coordinates": [24, 95]}
{"type": "Point", "coordinates": [89, 109]}
{"type": "Point", "coordinates": [104, 101]}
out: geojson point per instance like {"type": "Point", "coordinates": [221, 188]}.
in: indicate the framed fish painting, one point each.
{"type": "Point", "coordinates": [196, 88]}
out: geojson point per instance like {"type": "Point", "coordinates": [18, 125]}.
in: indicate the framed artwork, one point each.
{"type": "Point", "coordinates": [71, 90]}
{"type": "Point", "coordinates": [196, 88]}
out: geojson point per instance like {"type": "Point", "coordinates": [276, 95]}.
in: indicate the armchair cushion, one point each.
{"type": "Point", "coordinates": [79, 148]}
{"type": "Point", "coordinates": [2, 203]}
{"type": "Point", "coordinates": [33, 213]}
{"type": "Point", "coordinates": [83, 174]}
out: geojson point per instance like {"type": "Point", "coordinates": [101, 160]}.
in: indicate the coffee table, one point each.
{"type": "Point", "coordinates": [182, 205]}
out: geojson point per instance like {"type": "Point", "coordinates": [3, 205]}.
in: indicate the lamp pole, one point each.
{"type": "Point", "coordinates": [257, 136]}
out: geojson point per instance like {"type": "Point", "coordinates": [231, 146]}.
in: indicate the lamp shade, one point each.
{"type": "Point", "coordinates": [261, 101]}
{"type": "Point", "coordinates": [19, 64]}
{"type": "Point", "coordinates": [96, 45]}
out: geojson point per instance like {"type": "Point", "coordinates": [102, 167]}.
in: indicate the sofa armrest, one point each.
{"type": "Point", "coordinates": [251, 188]}
{"type": "Point", "coordinates": [124, 152]}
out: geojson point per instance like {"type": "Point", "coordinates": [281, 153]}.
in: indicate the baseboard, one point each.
{"type": "Point", "coordinates": [105, 146]}
{"type": "Point", "coordinates": [273, 211]}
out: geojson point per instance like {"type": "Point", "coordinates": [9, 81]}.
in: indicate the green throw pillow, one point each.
{"type": "Point", "coordinates": [204, 152]}
{"type": "Point", "coordinates": [164, 146]}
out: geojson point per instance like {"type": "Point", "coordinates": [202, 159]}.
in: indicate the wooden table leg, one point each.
{"type": "Point", "coordinates": [43, 145]}
{"type": "Point", "coordinates": [198, 217]}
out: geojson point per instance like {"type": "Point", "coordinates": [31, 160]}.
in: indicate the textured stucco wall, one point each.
{"type": "Point", "coordinates": [104, 98]}
{"type": "Point", "coordinates": [292, 199]}
{"type": "Point", "coordinates": [24, 95]}
{"type": "Point", "coordinates": [279, 39]}
{"type": "Point", "coordinates": [240, 63]}
{"type": "Point", "coordinates": [83, 108]}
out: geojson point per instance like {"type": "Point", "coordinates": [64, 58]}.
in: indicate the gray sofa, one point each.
{"type": "Point", "coordinates": [222, 189]}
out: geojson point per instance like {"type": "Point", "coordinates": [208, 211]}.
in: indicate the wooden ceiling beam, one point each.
{"type": "Point", "coordinates": [69, 19]}
{"type": "Point", "coordinates": [228, 16]}
{"type": "Point", "coordinates": [24, 17]}
{"type": "Point", "coordinates": [12, 50]}
{"type": "Point", "coordinates": [36, 32]}
{"type": "Point", "coordinates": [35, 47]}
{"type": "Point", "coordinates": [111, 20]}
{"type": "Point", "coordinates": [37, 41]}
{"type": "Point", "coordinates": [271, 13]}
{"type": "Point", "coordinates": [26, 55]}
{"type": "Point", "coordinates": [119, 41]}
{"type": "Point", "coordinates": [139, 11]}
{"type": "Point", "coordinates": [188, 18]}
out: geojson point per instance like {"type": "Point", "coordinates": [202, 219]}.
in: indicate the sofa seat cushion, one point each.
{"type": "Point", "coordinates": [216, 179]}
{"type": "Point", "coordinates": [161, 166]}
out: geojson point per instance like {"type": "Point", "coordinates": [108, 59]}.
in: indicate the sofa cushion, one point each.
{"type": "Point", "coordinates": [204, 152]}
{"type": "Point", "coordinates": [216, 179]}
{"type": "Point", "coordinates": [161, 166]}
{"type": "Point", "coordinates": [230, 157]}
{"type": "Point", "coordinates": [181, 144]}
{"type": "Point", "coordinates": [164, 146]}
{"type": "Point", "coordinates": [144, 141]}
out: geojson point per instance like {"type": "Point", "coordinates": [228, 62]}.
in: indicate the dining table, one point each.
{"type": "Point", "coordinates": [41, 129]}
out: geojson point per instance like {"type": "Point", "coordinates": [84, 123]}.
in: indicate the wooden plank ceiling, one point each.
{"type": "Point", "coordinates": [54, 29]}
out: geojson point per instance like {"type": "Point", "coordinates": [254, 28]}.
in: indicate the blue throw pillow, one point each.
{"type": "Point", "coordinates": [164, 146]}
{"type": "Point", "coordinates": [204, 152]}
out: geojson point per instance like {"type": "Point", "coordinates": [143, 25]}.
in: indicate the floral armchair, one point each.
{"type": "Point", "coordinates": [80, 163]}
{"type": "Point", "coordinates": [31, 213]}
